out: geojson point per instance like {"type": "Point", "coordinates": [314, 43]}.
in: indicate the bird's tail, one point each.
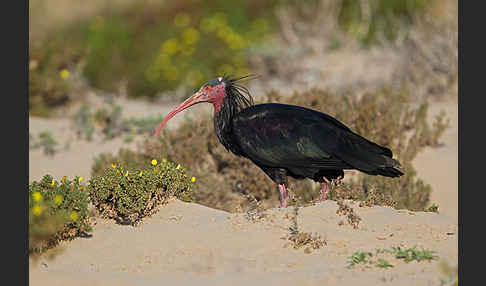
{"type": "Point", "coordinates": [367, 156]}
{"type": "Point", "coordinates": [371, 158]}
{"type": "Point", "coordinates": [389, 170]}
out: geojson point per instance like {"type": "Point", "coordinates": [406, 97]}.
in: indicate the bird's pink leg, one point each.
{"type": "Point", "coordinates": [283, 195]}
{"type": "Point", "coordinates": [324, 190]}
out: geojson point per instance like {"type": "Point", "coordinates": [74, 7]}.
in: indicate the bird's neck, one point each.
{"type": "Point", "coordinates": [219, 99]}
{"type": "Point", "coordinates": [223, 118]}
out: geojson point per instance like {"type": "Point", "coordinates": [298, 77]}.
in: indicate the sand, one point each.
{"type": "Point", "coordinates": [439, 166]}
{"type": "Point", "coordinates": [186, 243]}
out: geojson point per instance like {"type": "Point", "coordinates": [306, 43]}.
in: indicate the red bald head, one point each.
{"type": "Point", "coordinates": [213, 92]}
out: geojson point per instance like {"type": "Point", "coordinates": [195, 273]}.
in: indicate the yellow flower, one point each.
{"type": "Point", "coordinates": [53, 182]}
{"type": "Point", "coordinates": [220, 18]}
{"type": "Point", "coordinates": [224, 31]}
{"type": "Point", "coordinates": [191, 36]}
{"type": "Point", "coordinates": [170, 46]}
{"type": "Point", "coordinates": [163, 59]}
{"type": "Point", "coordinates": [63, 179]}
{"type": "Point", "coordinates": [58, 199]}
{"type": "Point", "coordinates": [171, 73]}
{"type": "Point", "coordinates": [208, 25]}
{"type": "Point", "coordinates": [113, 165]}
{"type": "Point", "coordinates": [37, 210]}
{"type": "Point", "coordinates": [154, 162]}
{"type": "Point", "coordinates": [140, 174]}
{"type": "Point", "coordinates": [237, 42]}
{"type": "Point", "coordinates": [64, 73]}
{"type": "Point", "coordinates": [187, 52]}
{"type": "Point", "coordinates": [80, 179]}
{"type": "Point", "coordinates": [37, 197]}
{"type": "Point", "coordinates": [193, 179]}
{"type": "Point", "coordinates": [74, 216]}
{"type": "Point", "coordinates": [118, 171]}
{"type": "Point", "coordinates": [126, 174]}
{"type": "Point", "coordinates": [182, 20]}
{"type": "Point", "coordinates": [178, 166]}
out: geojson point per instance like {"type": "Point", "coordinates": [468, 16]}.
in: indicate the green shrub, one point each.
{"type": "Point", "coordinates": [223, 179]}
{"type": "Point", "coordinates": [50, 63]}
{"type": "Point", "coordinates": [84, 123]}
{"type": "Point", "coordinates": [159, 48]}
{"type": "Point", "coordinates": [377, 20]}
{"type": "Point", "coordinates": [57, 211]}
{"type": "Point", "coordinates": [126, 157]}
{"type": "Point", "coordinates": [149, 48]}
{"type": "Point", "coordinates": [108, 121]}
{"type": "Point", "coordinates": [385, 116]}
{"type": "Point", "coordinates": [128, 195]}
{"type": "Point", "coordinates": [45, 140]}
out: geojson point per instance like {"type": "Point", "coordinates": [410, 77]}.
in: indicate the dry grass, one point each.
{"type": "Point", "coordinates": [224, 180]}
{"type": "Point", "coordinates": [423, 55]}
{"type": "Point", "coordinates": [345, 210]}
{"type": "Point", "coordinates": [298, 239]}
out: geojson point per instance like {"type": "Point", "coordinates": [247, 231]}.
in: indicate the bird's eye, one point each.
{"type": "Point", "coordinates": [207, 88]}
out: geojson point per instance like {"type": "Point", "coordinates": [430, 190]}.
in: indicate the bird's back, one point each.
{"type": "Point", "coordinates": [288, 136]}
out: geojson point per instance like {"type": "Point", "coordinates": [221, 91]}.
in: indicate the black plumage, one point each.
{"type": "Point", "coordinates": [287, 140]}
{"type": "Point", "coordinates": [303, 142]}
{"type": "Point", "coordinates": [306, 143]}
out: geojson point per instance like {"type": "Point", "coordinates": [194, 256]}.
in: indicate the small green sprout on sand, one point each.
{"type": "Point", "coordinates": [411, 254]}
{"type": "Point", "coordinates": [433, 208]}
{"type": "Point", "coordinates": [397, 253]}
{"type": "Point", "coordinates": [359, 257]}
{"type": "Point", "coordinates": [382, 263]}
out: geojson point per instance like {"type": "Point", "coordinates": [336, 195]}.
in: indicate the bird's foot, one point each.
{"type": "Point", "coordinates": [283, 195]}
{"type": "Point", "coordinates": [324, 191]}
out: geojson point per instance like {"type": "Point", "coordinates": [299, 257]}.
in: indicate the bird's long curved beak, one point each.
{"type": "Point", "coordinates": [195, 98]}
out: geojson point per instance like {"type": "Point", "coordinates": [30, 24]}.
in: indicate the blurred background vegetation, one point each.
{"type": "Point", "coordinates": [163, 50]}
{"type": "Point", "coordinates": [150, 48]}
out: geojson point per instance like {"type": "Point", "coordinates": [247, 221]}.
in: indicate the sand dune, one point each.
{"type": "Point", "coordinates": [186, 243]}
{"type": "Point", "coordinates": [439, 166]}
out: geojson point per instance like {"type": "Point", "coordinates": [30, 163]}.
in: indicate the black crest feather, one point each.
{"type": "Point", "coordinates": [238, 95]}
{"type": "Point", "coordinates": [237, 98]}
